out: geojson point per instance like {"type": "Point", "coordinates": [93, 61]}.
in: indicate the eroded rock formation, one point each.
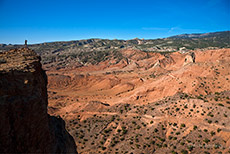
{"type": "Point", "coordinates": [25, 126]}
{"type": "Point", "coordinates": [189, 58]}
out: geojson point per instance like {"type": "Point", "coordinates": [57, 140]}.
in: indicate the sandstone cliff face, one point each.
{"type": "Point", "coordinates": [25, 126]}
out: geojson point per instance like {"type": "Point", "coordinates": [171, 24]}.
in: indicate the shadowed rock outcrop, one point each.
{"type": "Point", "coordinates": [190, 58]}
{"type": "Point", "coordinates": [25, 126]}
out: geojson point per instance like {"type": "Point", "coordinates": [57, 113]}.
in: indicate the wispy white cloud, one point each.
{"type": "Point", "coordinates": [168, 30]}
{"type": "Point", "coordinates": [172, 30]}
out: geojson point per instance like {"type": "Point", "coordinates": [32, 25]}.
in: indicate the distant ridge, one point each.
{"type": "Point", "coordinates": [181, 36]}
{"type": "Point", "coordinates": [203, 35]}
{"type": "Point", "coordinates": [97, 50]}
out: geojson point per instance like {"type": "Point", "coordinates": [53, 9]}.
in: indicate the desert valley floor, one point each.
{"type": "Point", "coordinates": [146, 102]}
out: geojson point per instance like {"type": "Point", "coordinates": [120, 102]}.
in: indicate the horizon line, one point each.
{"type": "Point", "coordinates": [95, 38]}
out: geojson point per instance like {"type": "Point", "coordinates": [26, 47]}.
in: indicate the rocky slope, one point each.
{"type": "Point", "coordinates": [146, 103]}
{"type": "Point", "coordinates": [25, 126]}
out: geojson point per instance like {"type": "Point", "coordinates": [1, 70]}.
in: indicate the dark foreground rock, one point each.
{"type": "Point", "coordinates": [25, 126]}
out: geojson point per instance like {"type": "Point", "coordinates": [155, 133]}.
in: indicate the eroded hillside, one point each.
{"type": "Point", "coordinates": [146, 102]}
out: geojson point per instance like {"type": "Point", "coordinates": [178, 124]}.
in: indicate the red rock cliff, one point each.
{"type": "Point", "coordinates": [25, 126]}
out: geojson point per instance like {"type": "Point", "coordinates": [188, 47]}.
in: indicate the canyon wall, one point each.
{"type": "Point", "coordinates": [25, 126]}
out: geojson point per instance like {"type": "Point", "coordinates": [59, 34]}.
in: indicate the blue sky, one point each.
{"type": "Point", "coordinates": [63, 20]}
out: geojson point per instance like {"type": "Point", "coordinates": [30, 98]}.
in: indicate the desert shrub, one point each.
{"type": "Point", "coordinates": [220, 104]}
{"type": "Point", "coordinates": [174, 152]}
{"type": "Point", "coordinates": [190, 148]}
{"type": "Point", "coordinates": [212, 133]}
{"type": "Point", "coordinates": [199, 97]}
{"type": "Point", "coordinates": [209, 121]}
{"type": "Point", "coordinates": [170, 137]}
{"type": "Point", "coordinates": [184, 151]}
{"type": "Point", "coordinates": [174, 138]}
{"type": "Point", "coordinates": [103, 148]}
{"type": "Point", "coordinates": [124, 131]}
{"type": "Point", "coordinates": [107, 130]}
{"type": "Point", "coordinates": [182, 143]}
{"type": "Point", "coordinates": [218, 130]}
{"type": "Point", "coordinates": [2, 61]}
{"type": "Point", "coordinates": [217, 146]}
{"type": "Point", "coordinates": [195, 127]}
{"type": "Point", "coordinates": [206, 140]}
{"type": "Point", "coordinates": [137, 146]}
{"type": "Point", "coordinates": [161, 139]}
{"type": "Point", "coordinates": [177, 133]}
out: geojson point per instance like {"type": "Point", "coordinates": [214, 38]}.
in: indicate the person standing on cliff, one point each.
{"type": "Point", "coordinates": [26, 44]}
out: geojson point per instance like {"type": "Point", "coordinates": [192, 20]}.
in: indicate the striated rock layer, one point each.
{"type": "Point", "coordinates": [25, 126]}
